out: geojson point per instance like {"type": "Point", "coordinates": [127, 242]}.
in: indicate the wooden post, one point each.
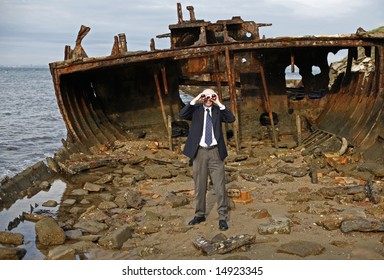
{"type": "Point", "coordinates": [164, 76]}
{"type": "Point", "coordinates": [179, 13]}
{"type": "Point", "coordinates": [268, 104]}
{"type": "Point", "coordinates": [169, 129]}
{"type": "Point", "coordinates": [152, 45]}
{"type": "Point", "coordinates": [233, 98]}
{"type": "Point", "coordinates": [161, 100]}
{"type": "Point", "coordinates": [67, 52]}
{"type": "Point", "coordinates": [298, 129]}
{"type": "Point", "coordinates": [216, 70]}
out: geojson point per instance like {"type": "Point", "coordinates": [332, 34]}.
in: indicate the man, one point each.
{"type": "Point", "coordinates": [205, 145]}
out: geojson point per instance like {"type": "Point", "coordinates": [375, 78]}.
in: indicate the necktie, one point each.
{"type": "Point", "coordinates": [208, 129]}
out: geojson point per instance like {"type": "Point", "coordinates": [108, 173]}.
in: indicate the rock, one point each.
{"type": "Point", "coordinates": [79, 192]}
{"type": "Point", "coordinates": [321, 210]}
{"type": "Point", "coordinates": [149, 251]}
{"type": "Point", "coordinates": [331, 192]}
{"type": "Point", "coordinates": [303, 197]}
{"type": "Point", "coordinates": [83, 246]}
{"type": "Point", "coordinates": [280, 192]}
{"type": "Point", "coordinates": [133, 199]}
{"type": "Point", "coordinates": [301, 248]}
{"type": "Point", "coordinates": [105, 179]}
{"type": "Point", "coordinates": [129, 170]}
{"type": "Point", "coordinates": [150, 216]}
{"type": "Point", "coordinates": [280, 225]}
{"type": "Point", "coordinates": [48, 232]}
{"type": "Point", "coordinates": [106, 196]}
{"type": "Point", "coordinates": [147, 229]}
{"type": "Point", "coordinates": [68, 202]}
{"type": "Point", "coordinates": [107, 205]}
{"type": "Point", "coordinates": [94, 214]}
{"type": "Point", "coordinates": [299, 208]}
{"type": "Point", "coordinates": [360, 224]}
{"type": "Point", "coordinates": [125, 181]}
{"type": "Point", "coordinates": [93, 187]}
{"type": "Point", "coordinates": [155, 171]}
{"type": "Point", "coordinates": [12, 253]}
{"type": "Point", "coordinates": [252, 174]}
{"type": "Point", "coordinates": [261, 214]}
{"type": "Point", "coordinates": [12, 238]}
{"type": "Point", "coordinates": [62, 252]}
{"type": "Point", "coordinates": [372, 167]}
{"type": "Point", "coordinates": [330, 223]}
{"type": "Point", "coordinates": [73, 234]}
{"type": "Point", "coordinates": [293, 171]}
{"type": "Point", "coordinates": [50, 203]}
{"type": "Point", "coordinates": [175, 201]}
{"type": "Point", "coordinates": [377, 211]}
{"type": "Point", "coordinates": [93, 227]}
{"type": "Point", "coordinates": [116, 238]}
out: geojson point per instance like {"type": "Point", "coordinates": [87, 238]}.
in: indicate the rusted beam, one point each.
{"type": "Point", "coordinates": [115, 47]}
{"type": "Point", "coordinates": [78, 51]}
{"type": "Point", "coordinates": [64, 111]}
{"type": "Point", "coordinates": [216, 70]}
{"type": "Point", "coordinates": [298, 129]}
{"type": "Point", "coordinates": [164, 76]}
{"type": "Point", "coordinates": [216, 73]}
{"type": "Point", "coordinates": [268, 104]}
{"type": "Point", "coordinates": [233, 98]}
{"type": "Point", "coordinates": [156, 78]}
{"type": "Point", "coordinates": [380, 51]}
{"type": "Point", "coordinates": [179, 13]}
{"type": "Point", "coordinates": [197, 51]}
{"type": "Point", "coordinates": [67, 52]}
{"type": "Point", "coordinates": [122, 43]}
{"type": "Point", "coordinates": [191, 13]}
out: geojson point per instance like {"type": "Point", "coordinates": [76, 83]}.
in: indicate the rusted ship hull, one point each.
{"type": "Point", "coordinates": [128, 94]}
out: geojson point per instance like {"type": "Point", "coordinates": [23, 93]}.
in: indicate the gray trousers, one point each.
{"type": "Point", "coordinates": [208, 163]}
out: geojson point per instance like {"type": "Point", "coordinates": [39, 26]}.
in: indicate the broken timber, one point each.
{"type": "Point", "coordinates": [225, 246]}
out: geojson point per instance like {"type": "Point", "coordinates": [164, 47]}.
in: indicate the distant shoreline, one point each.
{"type": "Point", "coordinates": [24, 66]}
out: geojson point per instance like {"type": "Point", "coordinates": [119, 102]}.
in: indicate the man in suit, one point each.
{"type": "Point", "coordinates": [205, 145]}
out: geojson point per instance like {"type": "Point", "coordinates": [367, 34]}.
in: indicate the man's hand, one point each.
{"type": "Point", "coordinates": [194, 100]}
{"type": "Point", "coordinates": [217, 101]}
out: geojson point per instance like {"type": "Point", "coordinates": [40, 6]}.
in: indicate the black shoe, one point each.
{"type": "Point", "coordinates": [196, 220]}
{"type": "Point", "coordinates": [223, 225]}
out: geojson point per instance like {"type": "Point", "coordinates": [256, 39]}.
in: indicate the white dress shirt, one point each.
{"type": "Point", "coordinates": [202, 141]}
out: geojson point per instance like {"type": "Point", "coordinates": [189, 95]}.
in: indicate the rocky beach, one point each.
{"type": "Point", "coordinates": [133, 200]}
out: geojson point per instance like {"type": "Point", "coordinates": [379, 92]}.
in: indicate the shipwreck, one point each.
{"type": "Point", "coordinates": [132, 95]}
{"type": "Point", "coordinates": [129, 93]}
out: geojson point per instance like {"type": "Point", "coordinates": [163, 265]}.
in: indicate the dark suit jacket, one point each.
{"type": "Point", "coordinates": [196, 114]}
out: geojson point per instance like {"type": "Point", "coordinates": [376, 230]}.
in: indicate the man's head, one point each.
{"type": "Point", "coordinates": [209, 96]}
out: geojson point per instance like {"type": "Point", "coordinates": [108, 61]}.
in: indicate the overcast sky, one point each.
{"type": "Point", "coordinates": [35, 32]}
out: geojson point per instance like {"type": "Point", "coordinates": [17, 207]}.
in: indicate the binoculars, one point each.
{"type": "Point", "coordinates": [206, 97]}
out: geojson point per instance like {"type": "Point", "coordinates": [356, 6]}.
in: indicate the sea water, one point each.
{"type": "Point", "coordinates": [31, 126]}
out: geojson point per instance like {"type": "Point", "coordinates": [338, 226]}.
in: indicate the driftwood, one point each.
{"type": "Point", "coordinates": [223, 247]}
{"type": "Point", "coordinates": [74, 167]}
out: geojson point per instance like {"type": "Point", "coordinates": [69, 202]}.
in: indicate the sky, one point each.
{"type": "Point", "coordinates": [35, 32]}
